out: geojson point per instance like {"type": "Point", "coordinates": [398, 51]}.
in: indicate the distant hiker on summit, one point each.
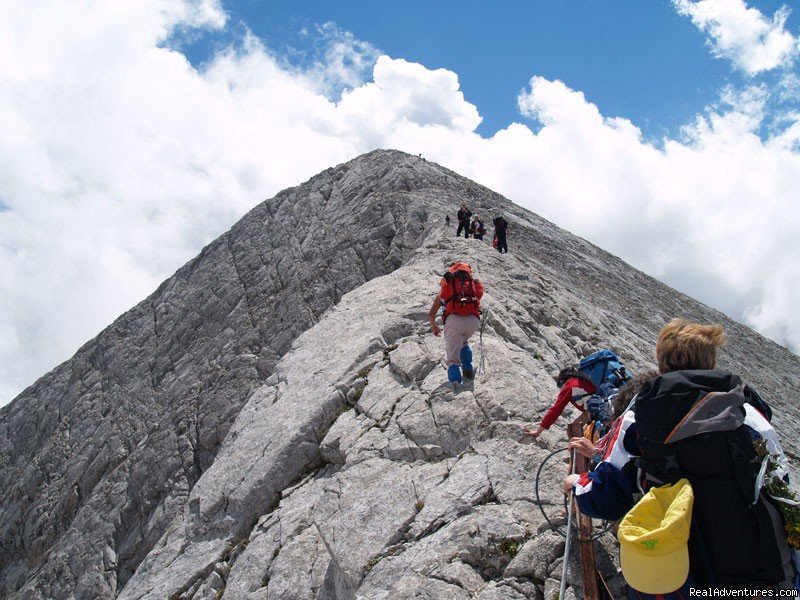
{"type": "Point", "coordinates": [500, 232]}
{"type": "Point", "coordinates": [460, 296]}
{"type": "Point", "coordinates": [464, 216]}
{"type": "Point", "coordinates": [477, 228]}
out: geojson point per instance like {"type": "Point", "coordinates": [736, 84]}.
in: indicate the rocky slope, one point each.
{"type": "Point", "coordinates": [272, 421]}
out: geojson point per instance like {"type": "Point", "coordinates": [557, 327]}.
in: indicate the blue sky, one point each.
{"type": "Point", "coordinates": [137, 131]}
{"type": "Point", "coordinates": [635, 59]}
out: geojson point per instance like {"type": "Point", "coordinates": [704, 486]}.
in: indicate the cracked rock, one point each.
{"type": "Point", "coordinates": [273, 422]}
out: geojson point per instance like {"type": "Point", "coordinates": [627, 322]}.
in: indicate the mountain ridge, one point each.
{"type": "Point", "coordinates": [136, 469]}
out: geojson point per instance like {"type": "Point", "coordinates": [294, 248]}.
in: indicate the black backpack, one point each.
{"type": "Point", "coordinates": [691, 424]}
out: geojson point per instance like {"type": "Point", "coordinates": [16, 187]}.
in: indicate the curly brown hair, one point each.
{"type": "Point", "coordinates": [626, 393]}
{"type": "Point", "coordinates": [683, 345]}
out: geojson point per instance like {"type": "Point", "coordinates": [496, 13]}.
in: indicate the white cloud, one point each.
{"type": "Point", "coordinates": [743, 35]}
{"type": "Point", "coordinates": [118, 161]}
{"type": "Point", "coordinates": [345, 61]}
{"type": "Point", "coordinates": [404, 95]}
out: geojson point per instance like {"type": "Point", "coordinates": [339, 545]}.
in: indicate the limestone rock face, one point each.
{"type": "Point", "coordinates": [273, 422]}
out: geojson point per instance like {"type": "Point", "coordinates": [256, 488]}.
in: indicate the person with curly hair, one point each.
{"type": "Point", "coordinates": [694, 425]}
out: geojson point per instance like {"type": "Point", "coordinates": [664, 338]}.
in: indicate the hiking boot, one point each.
{"type": "Point", "coordinates": [454, 374]}
{"type": "Point", "coordinates": [466, 362]}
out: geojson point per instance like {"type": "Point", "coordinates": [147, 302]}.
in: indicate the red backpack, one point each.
{"type": "Point", "coordinates": [460, 293]}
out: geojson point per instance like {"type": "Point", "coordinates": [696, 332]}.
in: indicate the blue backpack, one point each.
{"type": "Point", "coordinates": [604, 369]}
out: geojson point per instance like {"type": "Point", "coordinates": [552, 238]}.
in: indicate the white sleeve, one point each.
{"type": "Point", "coordinates": [618, 456]}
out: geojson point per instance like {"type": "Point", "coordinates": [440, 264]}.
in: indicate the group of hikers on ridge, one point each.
{"type": "Point", "coordinates": [684, 458]}
{"type": "Point", "coordinates": [472, 224]}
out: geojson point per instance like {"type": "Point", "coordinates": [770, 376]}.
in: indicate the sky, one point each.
{"type": "Point", "coordinates": [137, 131]}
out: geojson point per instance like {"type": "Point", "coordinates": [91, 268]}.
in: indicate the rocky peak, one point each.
{"type": "Point", "coordinates": [272, 421]}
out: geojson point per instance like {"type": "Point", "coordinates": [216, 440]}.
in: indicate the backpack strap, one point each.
{"type": "Point", "coordinates": [702, 548]}
{"type": "Point", "coordinates": [741, 465]}
{"type": "Point", "coordinates": [658, 461]}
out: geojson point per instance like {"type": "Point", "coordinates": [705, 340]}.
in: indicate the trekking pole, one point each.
{"type": "Point", "coordinates": [483, 361]}
{"type": "Point", "coordinates": [563, 588]}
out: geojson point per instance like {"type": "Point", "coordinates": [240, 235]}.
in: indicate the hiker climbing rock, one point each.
{"type": "Point", "coordinates": [573, 388]}
{"type": "Point", "coordinates": [500, 233]}
{"type": "Point", "coordinates": [477, 229]}
{"type": "Point", "coordinates": [699, 443]}
{"type": "Point", "coordinates": [464, 215]}
{"type": "Point", "coordinates": [460, 296]}
{"type": "Point", "coordinates": [590, 386]}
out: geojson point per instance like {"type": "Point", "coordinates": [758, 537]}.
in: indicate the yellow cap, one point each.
{"type": "Point", "coordinates": [653, 539]}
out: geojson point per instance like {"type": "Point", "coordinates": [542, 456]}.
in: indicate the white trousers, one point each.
{"type": "Point", "coordinates": [457, 331]}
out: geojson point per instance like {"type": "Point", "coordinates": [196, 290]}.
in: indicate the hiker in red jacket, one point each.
{"type": "Point", "coordinates": [460, 296]}
{"type": "Point", "coordinates": [574, 389]}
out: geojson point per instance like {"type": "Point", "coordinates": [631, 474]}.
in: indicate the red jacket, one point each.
{"type": "Point", "coordinates": [575, 390]}
{"type": "Point", "coordinates": [447, 291]}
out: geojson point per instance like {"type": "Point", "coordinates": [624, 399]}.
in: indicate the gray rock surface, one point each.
{"type": "Point", "coordinates": [273, 421]}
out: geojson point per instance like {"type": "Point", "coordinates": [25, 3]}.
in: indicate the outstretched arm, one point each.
{"type": "Point", "coordinates": [554, 412]}
{"type": "Point", "coordinates": [532, 432]}
{"type": "Point", "coordinates": [564, 395]}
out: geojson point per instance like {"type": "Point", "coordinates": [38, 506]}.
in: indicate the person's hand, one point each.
{"type": "Point", "coordinates": [435, 329]}
{"type": "Point", "coordinates": [570, 481]}
{"type": "Point", "coordinates": [531, 432]}
{"type": "Point", "coordinates": [582, 446]}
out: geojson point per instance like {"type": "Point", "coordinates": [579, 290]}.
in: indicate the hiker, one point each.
{"type": "Point", "coordinates": [464, 215]}
{"type": "Point", "coordinates": [590, 386]}
{"type": "Point", "coordinates": [460, 296]}
{"type": "Point", "coordinates": [693, 445]}
{"type": "Point", "coordinates": [574, 389]}
{"type": "Point", "coordinates": [621, 405]}
{"type": "Point", "coordinates": [500, 232]}
{"type": "Point", "coordinates": [447, 220]}
{"type": "Point", "coordinates": [477, 228]}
